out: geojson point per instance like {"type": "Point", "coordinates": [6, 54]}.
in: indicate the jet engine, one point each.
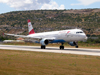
{"type": "Point", "coordinates": [44, 42]}
{"type": "Point", "coordinates": [72, 43]}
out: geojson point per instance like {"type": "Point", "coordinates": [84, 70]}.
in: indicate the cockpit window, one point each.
{"type": "Point", "coordinates": [79, 32]}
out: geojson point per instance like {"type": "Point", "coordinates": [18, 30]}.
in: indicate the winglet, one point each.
{"type": "Point", "coordinates": [30, 28]}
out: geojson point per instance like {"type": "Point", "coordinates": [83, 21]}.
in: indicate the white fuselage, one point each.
{"type": "Point", "coordinates": [66, 35]}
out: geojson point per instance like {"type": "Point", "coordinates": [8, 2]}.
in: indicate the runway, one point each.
{"type": "Point", "coordinates": [80, 51]}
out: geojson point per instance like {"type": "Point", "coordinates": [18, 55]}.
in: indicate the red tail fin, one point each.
{"type": "Point", "coordinates": [30, 28]}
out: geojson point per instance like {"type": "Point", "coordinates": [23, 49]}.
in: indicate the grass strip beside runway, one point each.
{"type": "Point", "coordinates": [38, 63]}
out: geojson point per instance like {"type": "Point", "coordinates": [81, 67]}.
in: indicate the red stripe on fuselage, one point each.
{"type": "Point", "coordinates": [67, 32]}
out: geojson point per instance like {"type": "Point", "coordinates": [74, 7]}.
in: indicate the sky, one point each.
{"type": "Point", "coordinates": [20, 5]}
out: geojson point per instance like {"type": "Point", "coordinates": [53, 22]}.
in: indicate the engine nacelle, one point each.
{"type": "Point", "coordinates": [72, 43]}
{"type": "Point", "coordinates": [44, 42]}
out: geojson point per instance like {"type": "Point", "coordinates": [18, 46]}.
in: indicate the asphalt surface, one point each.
{"type": "Point", "coordinates": [80, 51]}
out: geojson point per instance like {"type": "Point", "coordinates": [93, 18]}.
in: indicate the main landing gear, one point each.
{"type": "Point", "coordinates": [42, 47]}
{"type": "Point", "coordinates": [61, 47]}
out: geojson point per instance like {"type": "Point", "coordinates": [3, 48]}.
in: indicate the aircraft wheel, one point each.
{"type": "Point", "coordinates": [76, 46]}
{"type": "Point", "coordinates": [61, 47]}
{"type": "Point", "coordinates": [42, 47]}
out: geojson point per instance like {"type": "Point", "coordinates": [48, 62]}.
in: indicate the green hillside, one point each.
{"type": "Point", "coordinates": [50, 20]}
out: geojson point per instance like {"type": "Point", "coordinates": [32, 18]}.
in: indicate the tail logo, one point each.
{"type": "Point", "coordinates": [30, 28]}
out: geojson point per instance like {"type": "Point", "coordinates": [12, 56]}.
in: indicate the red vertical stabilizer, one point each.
{"type": "Point", "coordinates": [30, 28]}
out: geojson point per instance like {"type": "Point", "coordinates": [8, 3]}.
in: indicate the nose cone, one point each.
{"type": "Point", "coordinates": [85, 37]}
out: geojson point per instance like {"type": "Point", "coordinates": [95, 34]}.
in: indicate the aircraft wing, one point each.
{"type": "Point", "coordinates": [31, 38]}
{"type": "Point", "coordinates": [14, 35]}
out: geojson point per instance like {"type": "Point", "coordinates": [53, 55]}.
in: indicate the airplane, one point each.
{"type": "Point", "coordinates": [72, 36]}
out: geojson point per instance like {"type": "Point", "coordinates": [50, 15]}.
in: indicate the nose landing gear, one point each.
{"type": "Point", "coordinates": [76, 46]}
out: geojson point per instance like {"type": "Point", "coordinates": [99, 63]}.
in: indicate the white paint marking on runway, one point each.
{"type": "Point", "coordinates": [80, 51]}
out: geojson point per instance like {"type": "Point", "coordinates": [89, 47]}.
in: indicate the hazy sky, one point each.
{"type": "Point", "coordinates": [16, 5]}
